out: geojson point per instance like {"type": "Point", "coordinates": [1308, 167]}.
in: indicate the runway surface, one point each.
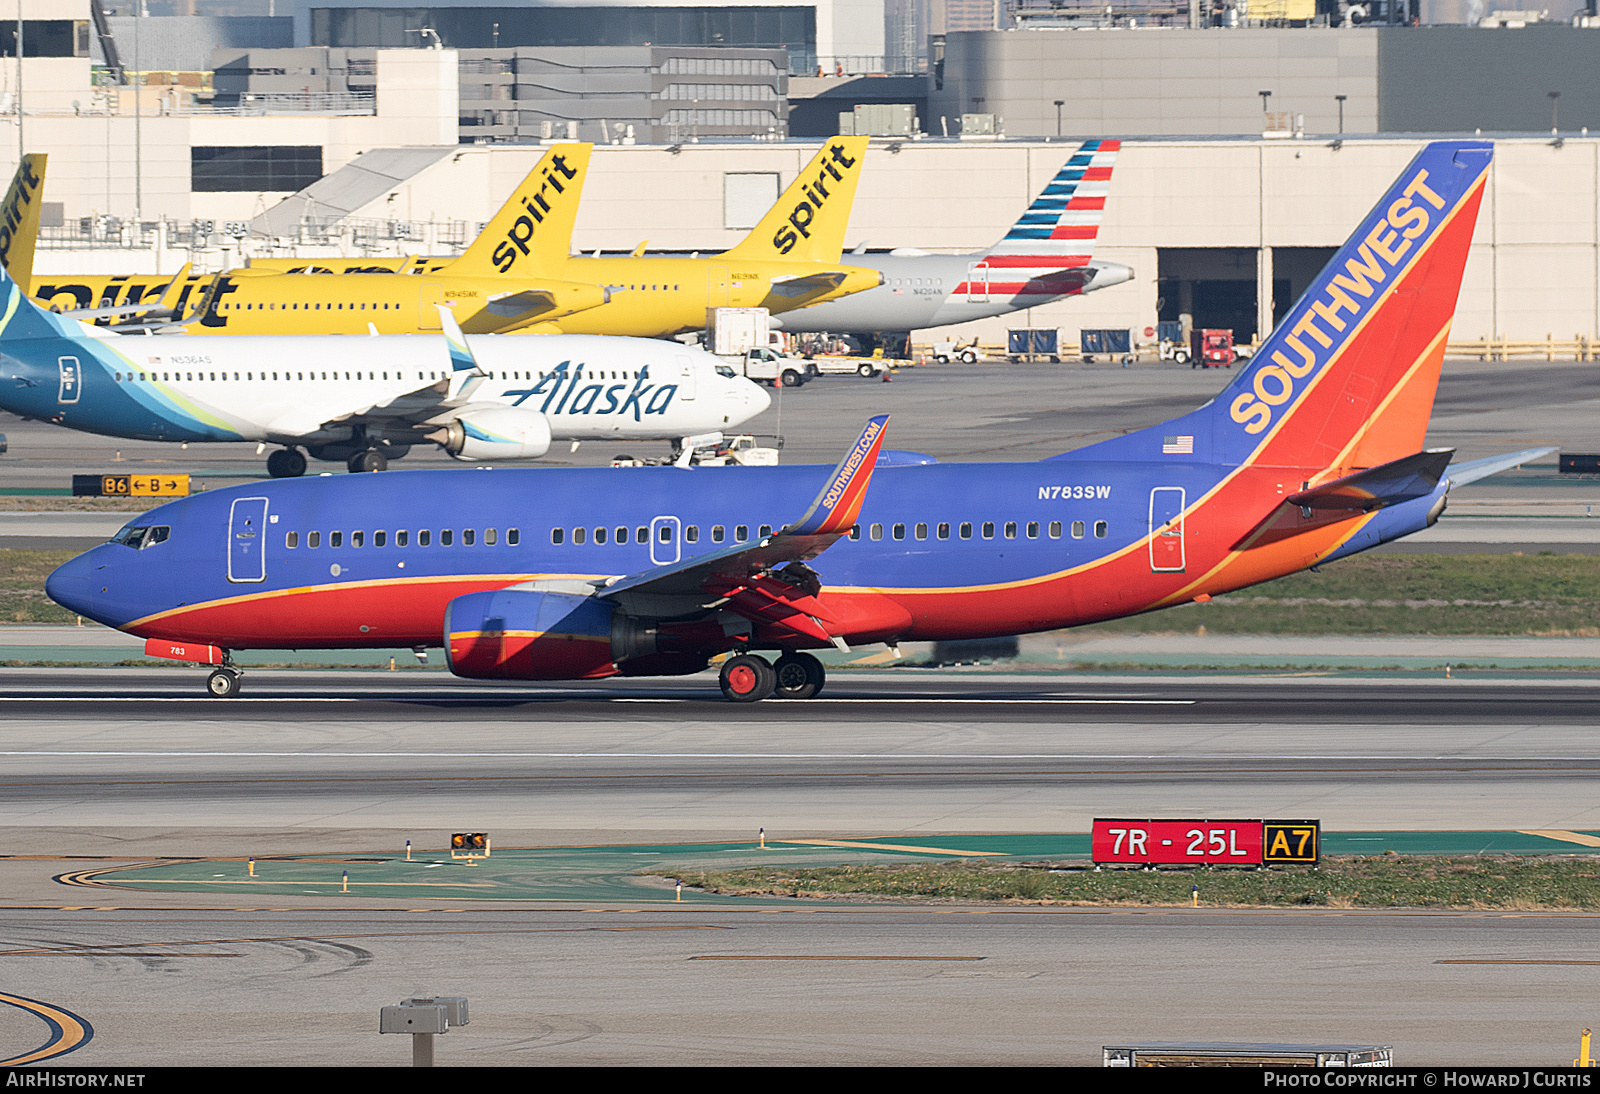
{"type": "Point", "coordinates": [385, 758]}
{"type": "Point", "coordinates": [133, 765]}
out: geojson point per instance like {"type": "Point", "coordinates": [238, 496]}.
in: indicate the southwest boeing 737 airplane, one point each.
{"type": "Point", "coordinates": [1312, 453]}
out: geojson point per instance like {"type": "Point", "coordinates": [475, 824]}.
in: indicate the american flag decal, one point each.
{"type": "Point", "coordinates": [1177, 446]}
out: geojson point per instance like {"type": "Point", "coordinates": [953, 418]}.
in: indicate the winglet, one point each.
{"type": "Point", "coordinates": [169, 298]}
{"type": "Point", "coordinates": [839, 504]}
{"type": "Point", "coordinates": [461, 359]}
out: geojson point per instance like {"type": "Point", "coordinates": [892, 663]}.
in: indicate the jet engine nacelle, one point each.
{"type": "Point", "coordinates": [495, 433]}
{"type": "Point", "coordinates": [530, 634]}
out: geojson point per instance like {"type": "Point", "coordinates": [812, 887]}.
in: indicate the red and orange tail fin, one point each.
{"type": "Point", "coordinates": [1346, 381]}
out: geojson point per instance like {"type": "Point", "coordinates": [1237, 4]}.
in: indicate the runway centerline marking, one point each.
{"type": "Point", "coordinates": [824, 957]}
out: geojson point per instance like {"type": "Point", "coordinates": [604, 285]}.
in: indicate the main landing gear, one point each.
{"type": "Point", "coordinates": [371, 459]}
{"type": "Point", "coordinates": [750, 679]}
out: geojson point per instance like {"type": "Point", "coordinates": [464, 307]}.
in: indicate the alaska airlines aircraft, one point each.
{"type": "Point", "coordinates": [363, 400]}
{"type": "Point", "coordinates": [1048, 254]}
{"type": "Point", "coordinates": [790, 259]}
{"type": "Point", "coordinates": [1311, 454]}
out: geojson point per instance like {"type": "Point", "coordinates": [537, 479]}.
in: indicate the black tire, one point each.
{"type": "Point", "coordinates": [968, 357]}
{"type": "Point", "coordinates": [791, 378]}
{"type": "Point", "coordinates": [747, 679]}
{"type": "Point", "coordinates": [370, 460]}
{"type": "Point", "coordinates": [800, 676]}
{"type": "Point", "coordinates": [223, 684]}
{"type": "Point", "coordinates": [866, 370]}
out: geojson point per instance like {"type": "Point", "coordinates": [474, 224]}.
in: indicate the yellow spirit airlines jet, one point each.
{"type": "Point", "coordinates": [790, 260]}
{"type": "Point", "coordinates": [253, 301]}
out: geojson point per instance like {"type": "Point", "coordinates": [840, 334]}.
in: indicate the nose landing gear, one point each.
{"type": "Point", "coordinates": [224, 682]}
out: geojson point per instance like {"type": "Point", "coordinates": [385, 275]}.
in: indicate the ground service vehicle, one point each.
{"type": "Point", "coordinates": [1211, 348]}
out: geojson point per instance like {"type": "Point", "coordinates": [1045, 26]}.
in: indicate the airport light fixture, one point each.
{"type": "Point", "coordinates": [1340, 100]}
{"type": "Point", "coordinates": [1555, 103]}
{"type": "Point", "coordinates": [422, 1017]}
{"type": "Point", "coordinates": [1265, 95]}
{"type": "Point", "coordinates": [1059, 104]}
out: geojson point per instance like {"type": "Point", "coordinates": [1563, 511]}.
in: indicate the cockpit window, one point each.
{"type": "Point", "coordinates": [725, 370]}
{"type": "Point", "coordinates": [141, 536]}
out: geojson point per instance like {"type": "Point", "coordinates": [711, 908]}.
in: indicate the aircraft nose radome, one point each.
{"type": "Point", "coordinates": [756, 399]}
{"type": "Point", "coordinates": [68, 585]}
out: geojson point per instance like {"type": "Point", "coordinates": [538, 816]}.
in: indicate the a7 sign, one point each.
{"type": "Point", "coordinates": [1205, 842]}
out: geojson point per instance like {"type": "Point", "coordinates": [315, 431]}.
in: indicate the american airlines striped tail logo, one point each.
{"type": "Point", "coordinates": [1059, 229]}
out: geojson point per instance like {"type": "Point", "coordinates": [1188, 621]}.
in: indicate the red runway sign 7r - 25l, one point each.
{"type": "Point", "coordinates": [1205, 842]}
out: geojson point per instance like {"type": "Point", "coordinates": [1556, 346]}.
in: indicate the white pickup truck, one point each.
{"type": "Point", "coordinates": [827, 365]}
{"type": "Point", "coordinates": [767, 366]}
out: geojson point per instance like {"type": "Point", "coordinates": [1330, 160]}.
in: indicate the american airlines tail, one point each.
{"type": "Point", "coordinates": [1058, 230]}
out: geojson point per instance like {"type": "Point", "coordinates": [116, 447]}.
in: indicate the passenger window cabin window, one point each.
{"type": "Point", "coordinates": [664, 533]}
{"type": "Point", "coordinates": [446, 537]}
{"type": "Point", "coordinates": [313, 539]}
{"type": "Point", "coordinates": [357, 538]}
{"type": "Point", "coordinates": [943, 531]}
{"type": "Point", "coordinates": [641, 534]}
{"type": "Point", "coordinates": [1101, 529]}
{"type": "Point", "coordinates": [1055, 529]}
{"type": "Point", "coordinates": [1011, 529]}
{"type": "Point", "coordinates": [558, 535]}
{"type": "Point", "coordinates": [898, 531]}
{"type": "Point", "coordinates": [1033, 529]}
{"type": "Point", "coordinates": [401, 538]}
{"type": "Point", "coordinates": [579, 534]}
{"type": "Point", "coordinates": [335, 539]}
{"type": "Point", "coordinates": [855, 531]}
{"type": "Point", "coordinates": [424, 537]}
{"type": "Point", "coordinates": [292, 540]}
{"type": "Point", "coordinates": [741, 532]}
{"type": "Point", "coordinates": [622, 536]}
{"type": "Point", "coordinates": [1077, 529]}
{"type": "Point", "coordinates": [920, 531]}
{"type": "Point", "coordinates": [513, 537]}
{"type": "Point", "coordinates": [717, 532]}
{"type": "Point", "coordinates": [988, 529]}
{"type": "Point", "coordinates": [691, 533]}
{"type": "Point", "coordinates": [380, 539]}
{"type": "Point", "coordinates": [599, 535]}
{"type": "Point", "coordinates": [966, 530]}
{"type": "Point", "coordinates": [491, 536]}
{"type": "Point", "coordinates": [764, 531]}
{"type": "Point", "coordinates": [875, 531]}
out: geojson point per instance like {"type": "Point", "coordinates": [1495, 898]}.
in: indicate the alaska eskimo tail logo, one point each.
{"type": "Point", "coordinates": [1321, 330]}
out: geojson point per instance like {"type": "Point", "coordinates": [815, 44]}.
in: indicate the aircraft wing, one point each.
{"type": "Point", "coordinates": [413, 406]}
{"type": "Point", "coordinates": [743, 575]}
{"type": "Point", "coordinates": [797, 286]}
{"type": "Point", "coordinates": [545, 301]}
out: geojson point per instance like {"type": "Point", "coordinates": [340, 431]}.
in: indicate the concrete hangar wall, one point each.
{"type": "Point", "coordinates": [1181, 210]}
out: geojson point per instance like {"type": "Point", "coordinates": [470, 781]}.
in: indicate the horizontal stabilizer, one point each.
{"type": "Point", "coordinates": [1389, 484]}
{"type": "Point", "coordinates": [1462, 473]}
